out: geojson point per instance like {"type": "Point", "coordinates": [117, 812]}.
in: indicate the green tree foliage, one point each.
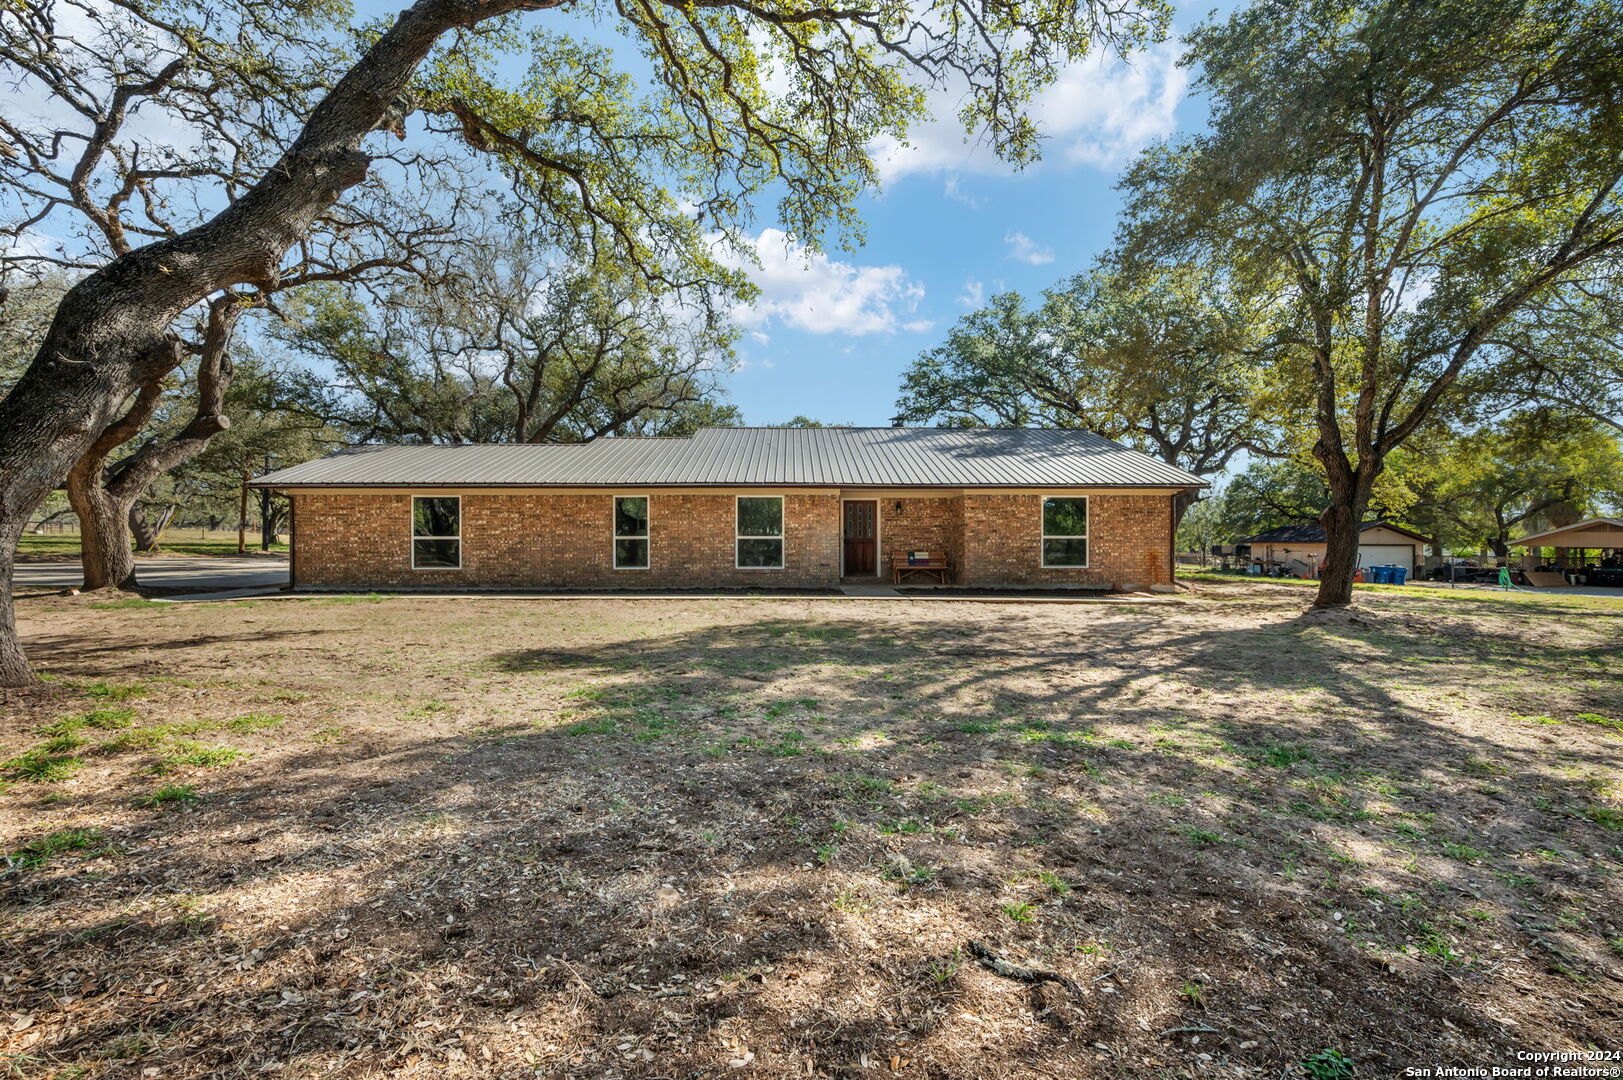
{"type": "Point", "coordinates": [1568, 350]}
{"type": "Point", "coordinates": [1164, 363]}
{"type": "Point", "coordinates": [26, 307]}
{"type": "Point", "coordinates": [1404, 178]}
{"type": "Point", "coordinates": [801, 421]}
{"type": "Point", "coordinates": [1471, 486]}
{"type": "Point", "coordinates": [527, 349]}
{"type": "Point", "coordinates": [1481, 487]}
{"type": "Point", "coordinates": [1266, 495]}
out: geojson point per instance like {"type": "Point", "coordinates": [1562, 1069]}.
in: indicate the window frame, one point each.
{"type": "Point", "coordinates": [783, 545]}
{"type": "Point", "coordinates": [614, 530]}
{"type": "Point", "coordinates": [412, 537]}
{"type": "Point", "coordinates": [1043, 536]}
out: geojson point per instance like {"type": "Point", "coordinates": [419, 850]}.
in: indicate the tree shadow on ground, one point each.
{"type": "Point", "coordinates": [760, 849]}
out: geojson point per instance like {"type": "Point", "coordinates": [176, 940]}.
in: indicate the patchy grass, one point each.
{"type": "Point", "coordinates": [1598, 720]}
{"type": "Point", "coordinates": [104, 719]}
{"type": "Point", "coordinates": [44, 764]}
{"type": "Point", "coordinates": [37, 854]}
{"type": "Point", "coordinates": [128, 603]}
{"type": "Point", "coordinates": [65, 545]}
{"type": "Point", "coordinates": [184, 754]}
{"type": "Point", "coordinates": [255, 722]}
{"type": "Point", "coordinates": [753, 838]}
{"type": "Point", "coordinates": [177, 796]}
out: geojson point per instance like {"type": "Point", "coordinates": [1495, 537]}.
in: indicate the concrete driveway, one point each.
{"type": "Point", "coordinates": [188, 572]}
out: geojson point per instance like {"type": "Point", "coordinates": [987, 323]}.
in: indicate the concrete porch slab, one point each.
{"type": "Point", "coordinates": [870, 590]}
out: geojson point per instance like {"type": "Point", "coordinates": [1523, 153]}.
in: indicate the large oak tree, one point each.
{"type": "Point", "coordinates": [525, 349]}
{"type": "Point", "coordinates": [131, 121]}
{"type": "Point", "coordinates": [1409, 176]}
{"type": "Point", "coordinates": [1164, 362]}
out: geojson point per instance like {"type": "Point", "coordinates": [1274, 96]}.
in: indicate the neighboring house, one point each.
{"type": "Point", "coordinates": [761, 507]}
{"type": "Point", "coordinates": [1301, 547]}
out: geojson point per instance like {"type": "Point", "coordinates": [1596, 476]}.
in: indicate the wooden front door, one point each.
{"type": "Point", "coordinates": [861, 538]}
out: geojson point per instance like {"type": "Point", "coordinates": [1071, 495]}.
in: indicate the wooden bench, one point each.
{"type": "Point", "coordinates": [934, 564]}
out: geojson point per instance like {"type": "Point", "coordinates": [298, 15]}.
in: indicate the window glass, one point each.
{"type": "Point", "coordinates": [760, 531]}
{"type": "Point", "coordinates": [1065, 517]}
{"type": "Point", "coordinates": [1065, 552]}
{"type": "Point", "coordinates": [760, 517]}
{"type": "Point", "coordinates": [631, 516]}
{"type": "Point", "coordinates": [436, 516]}
{"type": "Point", "coordinates": [758, 553]}
{"type": "Point", "coordinates": [630, 554]}
{"type": "Point", "coordinates": [436, 532]}
{"type": "Point", "coordinates": [430, 554]}
{"type": "Point", "coordinates": [631, 532]}
{"type": "Point", "coordinates": [1065, 532]}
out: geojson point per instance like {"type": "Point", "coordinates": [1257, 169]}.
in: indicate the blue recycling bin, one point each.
{"type": "Point", "coordinates": [1383, 575]}
{"type": "Point", "coordinates": [1399, 574]}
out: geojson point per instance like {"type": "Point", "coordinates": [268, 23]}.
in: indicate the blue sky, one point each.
{"type": "Point", "coordinates": [833, 335]}
{"type": "Point", "coordinates": [833, 332]}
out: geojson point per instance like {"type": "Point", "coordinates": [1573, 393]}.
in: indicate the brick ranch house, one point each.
{"type": "Point", "coordinates": [736, 507]}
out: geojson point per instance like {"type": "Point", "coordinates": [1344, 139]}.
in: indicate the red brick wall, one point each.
{"type": "Point", "coordinates": [1129, 538]}
{"type": "Point", "coordinates": [920, 525]}
{"type": "Point", "coordinates": [562, 541]}
{"type": "Point", "coordinates": [524, 540]}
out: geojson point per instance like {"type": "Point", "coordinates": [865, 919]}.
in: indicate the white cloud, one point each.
{"type": "Point", "coordinates": [1100, 112]}
{"type": "Point", "coordinates": [1024, 249]}
{"type": "Point", "coordinates": [952, 190]}
{"type": "Point", "coordinates": [974, 294]}
{"type": "Point", "coordinates": [809, 291]}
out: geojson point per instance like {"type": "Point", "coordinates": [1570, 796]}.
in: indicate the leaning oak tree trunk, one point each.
{"type": "Point", "coordinates": [111, 335]}
{"type": "Point", "coordinates": [1181, 502]}
{"type": "Point", "coordinates": [107, 499]}
{"type": "Point", "coordinates": [104, 543]}
{"type": "Point", "coordinates": [147, 534]}
{"type": "Point", "coordinates": [104, 538]}
{"type": "Point", "coordinates": [142, 530]}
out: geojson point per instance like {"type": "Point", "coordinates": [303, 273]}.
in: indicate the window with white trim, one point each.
{"type": "Point", "coordinates": [760, 532]}
{"type": "Point", "coordinates": [631, 532]}
{"type": "Point", "coordinates": [436, 532]}
{"type": "Point", "coordinates": [1065, 532]}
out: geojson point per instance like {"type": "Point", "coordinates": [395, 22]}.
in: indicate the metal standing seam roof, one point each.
{"type": "Point", "coordinates": [790, 457]}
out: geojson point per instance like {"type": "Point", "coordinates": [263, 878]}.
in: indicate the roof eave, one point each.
{"type": "Point", "coordinates": [1547, 533]}
{"type": "Point", "coordinates": [399, 485]}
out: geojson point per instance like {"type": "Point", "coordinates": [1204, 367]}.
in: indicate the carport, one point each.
{"type": "Point", "coordinates": [1586, 553]}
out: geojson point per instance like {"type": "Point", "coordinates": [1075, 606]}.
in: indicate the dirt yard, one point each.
{"type": "Point", "coordinates": [366, 837]}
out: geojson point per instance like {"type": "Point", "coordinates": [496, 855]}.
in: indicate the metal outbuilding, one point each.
{"type": "Point", "coordinates": [1603, 536]}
